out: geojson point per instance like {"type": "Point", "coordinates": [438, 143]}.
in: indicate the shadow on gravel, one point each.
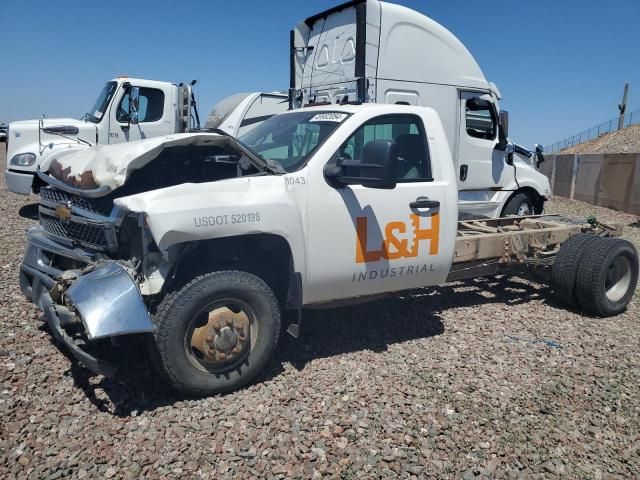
{"type": "Point", "coordinates": [29, 211]}
{"type": "Point", "coordinates": [373, 326]}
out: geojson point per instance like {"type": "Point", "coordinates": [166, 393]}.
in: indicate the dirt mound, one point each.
{"type": "Point", "coordinates": [626, 140]}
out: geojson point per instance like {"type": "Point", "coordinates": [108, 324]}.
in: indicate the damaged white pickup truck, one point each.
{"type": "Point", "coordinates": [200, 241]}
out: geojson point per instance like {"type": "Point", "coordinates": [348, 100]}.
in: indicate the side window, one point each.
{"type": "Point", "coordinates": [150, 108]}
{"type": "Point", "coordinates": [481, 119]}
{"type": "Point", "coordinates": [414, 164]}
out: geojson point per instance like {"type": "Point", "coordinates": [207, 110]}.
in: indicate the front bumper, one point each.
{"type": "Point", "coordinates": [98, 297]}
{"type": "Point", "coordinates": [19, 182]}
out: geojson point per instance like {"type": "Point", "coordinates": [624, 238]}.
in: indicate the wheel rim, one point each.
{"type": "Point", "coordinates": [524, 209]}
{"type": "Point", "coordinates": [221, 335]}
{"type": "Point", "coordinates": [618, 278]}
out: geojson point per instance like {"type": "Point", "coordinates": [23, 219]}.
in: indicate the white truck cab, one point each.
{"type": "Point", "coordinates": [368, 51]}
{"type": "Point", "coordinates": [126, 110]}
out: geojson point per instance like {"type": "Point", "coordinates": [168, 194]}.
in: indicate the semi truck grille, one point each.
{"type": "Point", "coordinates": [99, 206]}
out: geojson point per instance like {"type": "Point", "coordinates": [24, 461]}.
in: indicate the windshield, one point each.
{"type": "Point", "coordinates": [95, 114]}
{"type": "Point", "coordinates": [223, 109]}
{"type": "Point", "coordinates": [290, 139]}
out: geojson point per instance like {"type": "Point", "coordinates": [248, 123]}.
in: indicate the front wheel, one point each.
{"type": "Point", "coordinates": [520, 204]}
{"type": "Point", "coordinates": [217, 333]}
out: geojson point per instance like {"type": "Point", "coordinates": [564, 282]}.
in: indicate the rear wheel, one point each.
{"type": "Point", "coordinates": [520, 204]}
{"type": "Point", "coordinates": [217, 333]}
{"type": "Point", "coordinates": [565, 268]}
{"type": "Point", "coordinates": [607, 276]}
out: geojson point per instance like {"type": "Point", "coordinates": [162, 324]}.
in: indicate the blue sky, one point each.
{"type": "Point", "coordinates": [561, 65]}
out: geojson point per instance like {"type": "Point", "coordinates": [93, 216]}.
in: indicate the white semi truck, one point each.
{"type": "Point", "coordinates": [368, 51]}
{"type": "Point", "coordinates": [200, 241]}
{"type": "Point", "coordinates": [126, 110]}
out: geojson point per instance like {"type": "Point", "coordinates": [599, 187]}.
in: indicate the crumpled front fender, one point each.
{"type": "Point", "coordinates": [109, 303]}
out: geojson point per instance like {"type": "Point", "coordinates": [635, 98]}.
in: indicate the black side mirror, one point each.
{"type": "Point", "coordinates": [504, 123]}
{"type": "Point", "coordinates": [539, 156]}
{"type": "Point", "coordinates": [376, 170]}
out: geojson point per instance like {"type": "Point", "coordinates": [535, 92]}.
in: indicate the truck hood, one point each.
{"type": "Point", "coordinates": [26, 135]}
{"type": "Point", "coordinates": [107, 167]}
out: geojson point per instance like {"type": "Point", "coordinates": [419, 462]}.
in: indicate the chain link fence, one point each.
{"type": "Point", "coordinates": [631, 118]}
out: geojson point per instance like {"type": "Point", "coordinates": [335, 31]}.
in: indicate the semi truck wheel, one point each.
{"type": "Point", "coordinates": [520, 204]}
{"type": "Point", "coordinates": [607, 276]}
{"type": "Point", "coordinates": [217, 333]}
{"type": "Point", "coordinates": [565, 268]}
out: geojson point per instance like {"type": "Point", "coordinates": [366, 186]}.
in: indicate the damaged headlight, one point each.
{"type": "Point", "coordinates": [23, 160]}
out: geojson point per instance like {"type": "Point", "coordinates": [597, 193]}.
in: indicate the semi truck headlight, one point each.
{"type": "Point", "coordinates": [23, 160]}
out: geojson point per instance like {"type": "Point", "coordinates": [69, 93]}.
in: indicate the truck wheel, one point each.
{"type": "Point", "coordinates": [217, 333]}
{"type": "Point", "coordinates": [607, 276]}
{"type": "Point", "coordinates": [520, 204]}
{"type": "Point", "coordinates": [565, 268]}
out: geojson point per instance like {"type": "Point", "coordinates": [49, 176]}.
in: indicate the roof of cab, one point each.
{"type": "Point", "coordinates": [414, 47]}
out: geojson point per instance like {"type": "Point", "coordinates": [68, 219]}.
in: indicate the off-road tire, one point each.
{"type": "Point", "coordinates": [513, 204]}
{"type": "Point", "coordinates": [565, 268]}
{"type": "Point", "coordinates": [592, 273]}
{"type": "Point", "coordinates": [175, 313]}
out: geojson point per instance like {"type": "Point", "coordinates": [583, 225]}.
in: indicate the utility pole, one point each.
{"type": "Point", "coordinates": [623, 106]}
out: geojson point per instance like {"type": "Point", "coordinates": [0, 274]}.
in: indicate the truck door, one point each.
{"type": "Point", "coordinates": [481, 166]}
{"type": "Point", "coordinates": [363, 240]}
{"type": "Point", "coordinates": [155, 116]}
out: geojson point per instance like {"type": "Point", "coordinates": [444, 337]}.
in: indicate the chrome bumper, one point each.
{"type": "Point", "coordinates": [106, 301]}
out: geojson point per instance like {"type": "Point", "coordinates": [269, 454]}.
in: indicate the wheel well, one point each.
{"type": "Point", "coordinates": [266, 256]}
{"type": "Point", "coordinates": [536, 198]}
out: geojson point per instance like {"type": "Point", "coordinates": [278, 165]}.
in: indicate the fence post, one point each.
{"type": "Point", "coordinates": [574, 172]}
{"type": "Point", "coordinates": [553, 174]}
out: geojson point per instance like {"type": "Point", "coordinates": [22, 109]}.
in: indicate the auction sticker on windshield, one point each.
{"type": "Point", "coordinates": [329, 117]}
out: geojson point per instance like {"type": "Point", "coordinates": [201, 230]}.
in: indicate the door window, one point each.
{"type": "Point", "coordinates": [481, 119]}
{"type": "Point", "coordinates": [407, 131]}
{"type": "Point", "coordinates": [150, 108]}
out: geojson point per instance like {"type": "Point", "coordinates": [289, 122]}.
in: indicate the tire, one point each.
{"type": "Point", "coordinates": [607, 276]}
{"type": "Point", "coordinates": [565, 268]}
{"type": "Point", "coordinates": [183, 313]}
{"type": "Point", "coordinates": [517, 204]}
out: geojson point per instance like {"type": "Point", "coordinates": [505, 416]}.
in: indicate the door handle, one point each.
{"type": "Point", "coordinates": [464, 169]}
{"type": "Point", "coordinates": [424, 203]}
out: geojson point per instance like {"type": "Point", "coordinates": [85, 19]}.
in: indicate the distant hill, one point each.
{"type": "Point", "coordinates": [626, 140]}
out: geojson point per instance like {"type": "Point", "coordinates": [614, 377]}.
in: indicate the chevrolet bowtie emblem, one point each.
{"type": "Point", "coordinates": [63, 212]}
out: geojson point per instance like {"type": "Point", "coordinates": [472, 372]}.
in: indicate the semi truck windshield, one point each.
{"type": "Point", "coordinates": [97, 112]}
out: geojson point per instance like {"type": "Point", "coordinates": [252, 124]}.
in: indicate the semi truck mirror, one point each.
{"type": "Point", "coordinates": [377, 169]}
{"type": "Point", "coordinates": [134, 104]}
{"type": "Point", "coordinates": [504, 122]}
{"type": "Point", "coordinates": [509, 150]}
{"type": "Point", "coordinates": [539, 157]}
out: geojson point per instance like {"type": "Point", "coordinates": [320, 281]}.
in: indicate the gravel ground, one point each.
{"type": "Point", "coordinates": [487, 378]}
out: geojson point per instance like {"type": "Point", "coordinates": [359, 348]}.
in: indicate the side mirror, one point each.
{"type": "Point", "coordinates": [376, 170]}
{"type": "Point", "coordinates": [509, 150]}
{"type": "Point", "coordinates": [504, 123]}
{"type": "Point", "coordinates": [539, 157]}
{"type": "Point", "coordinates": [134, 104]}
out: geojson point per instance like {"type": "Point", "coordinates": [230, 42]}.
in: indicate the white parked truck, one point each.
{"type": "Point", "coordinates": [368, 51]}
{"type": "Point", "coordinates": [126, 110]}
{"type": "Point", "coordinates": [200, 241]}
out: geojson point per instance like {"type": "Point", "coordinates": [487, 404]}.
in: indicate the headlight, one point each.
{"type": "Point", "coordinates": [23, 160]}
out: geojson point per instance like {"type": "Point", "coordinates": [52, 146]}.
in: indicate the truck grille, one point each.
{"type": "Point", "coordinates": [78, 220]}
{"type": "Point", "coordinates": [91, 235]}
{"type": "Point", "coordinates": [99, 206]}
